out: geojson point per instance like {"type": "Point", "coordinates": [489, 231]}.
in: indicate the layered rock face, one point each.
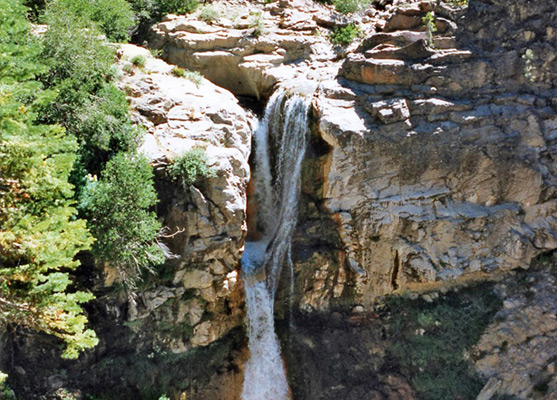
{"type": "Point", "coordinates": [249, 47]}
{"type": "Point", "coordinates": [441, 165]}
{"type": "Point", "coordinates": [204, 222]}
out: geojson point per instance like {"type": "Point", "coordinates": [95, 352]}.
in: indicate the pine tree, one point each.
{"type": "Point", "coordinates": [39, 233]}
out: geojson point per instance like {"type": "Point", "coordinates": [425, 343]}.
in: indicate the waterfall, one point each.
{"type": "Point", "coordinates": [280, 143]}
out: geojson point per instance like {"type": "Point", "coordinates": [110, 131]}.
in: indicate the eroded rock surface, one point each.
{"type": "Point", "coordinates": [250, 47]}
{"type": "Point", "coordinates": [518, 351]}
{"type": "Point", "coordinates": [441, 165]}
{"type": "Point", "coordinates": [204, 222]}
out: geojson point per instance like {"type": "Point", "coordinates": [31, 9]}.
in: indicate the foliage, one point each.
{"type": "Point", "coordinates": [429, 21]}
{"type": "Point", "coordinates": [102, 123]}
{"type": "Point", "coordinates": [117, 206]}
{"type": "Point", "coordinates": [431, 341]}
{"type": "Point", "coordinates": [138, 60]}
{"type": "Point", "coordinates": [177, 6]}
{"type": "Point", "coordinates": [39, 234]}
{"type": "Point", "coordinates": [157, 53]}
{"type": "Point", "coordinates": [193, 76]}
{"type": "Point", "coordinates": [78, 62]}
{"type": "Point", "coordinates": [344, 35]}
{"type": "Point", "coordinates": [114, 17]}
{"type": "Point", "coordinates": [191, 166]}
{"type": "Point", "coordinates": [350, 6]}
{"type": "Point", "coordinates": [257, 23]}
{"type": "Point", "coordinates": [209, 14]}
{"type": "Point", "coordinates": [179, 72]}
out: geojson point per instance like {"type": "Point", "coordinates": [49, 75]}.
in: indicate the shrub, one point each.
{"type": "Point", "coordinates": [78, 62]}
{"type": "Point", "coordinates": [157, 53]}
{"type": "Point", "coordinates": [138, 60]}
{"type": "Point", "coordinates": [114, 17]}
{"type": "Point", "coordinates": [193, 76]}
{"type": "Point", "coordinates": [350, 6]}
{"type": "Point", "coordinates": [344, 35]}
{"type": "Point", "coordinates": [103, 123]}
{"type": "Point", "coordinates": [128, 68]}
{"type": "Point", "coordinates": [429, 22]}
{"type": "Point", "coordinates": [179, 72]}
{"type": "Point", "coordinates": [208, 14]}
{"type": "Point", "coordinates": [176, 6]}
{"type": "Point", "coordinates": [191, 166]}
{"type": "Point", "coordinates": [119, 217]}
{"type": "Point", "coordinates": [257, 24]}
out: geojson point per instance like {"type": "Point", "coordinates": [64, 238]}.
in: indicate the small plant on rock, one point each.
{"type": "Point", "coordinates": [209, 14]}
{"type": "Point", "coordinates": [429, 21]}
{"type": "Point", "coordinates": [191, 166]}
{"type": "Point", "coordinates": [138, 61]}
{"type": "Point", "coordinates": [344, 35]}
{"type": "Point", "coordinates": [257, 23]}
{"type": "Point", "coordinates": [157, 53]}
{"type": "Point", "coordinates": [193, 76]}
{"type": "Point", "coordinates": [350, 6]}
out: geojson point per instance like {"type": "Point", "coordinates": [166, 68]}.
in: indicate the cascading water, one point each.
{"type": "Point", "coordinates": [280, 143]}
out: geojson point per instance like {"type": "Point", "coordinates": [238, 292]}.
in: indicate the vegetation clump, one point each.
{"type": "Point", "coordinates": [429, 22]}
{"type": "Point", "coordinates": [431, 342]}
{"type": "Point", "coordinates": [193, 76]}
{"type": "Point", "coordinates": [117, 207]}
{"type": "Point", "coordinates": [344, 35]}
{"type": "Point", "coordinates": [209, 14]}
{"type": "Point", "coordinates": [257, 24]}
{"type": "Point", "coordinates": [63, 122]}
{"type": "Point", "coordinates": [40, 235]}
{"type": "Point", "coordinates": [191, 166]}
{"type": "Point", "coordinates": [138, 61]}
{"type": "Point", "coordinates": [350, 6]}
{"type": "Point", "coordinates": [114, 18]}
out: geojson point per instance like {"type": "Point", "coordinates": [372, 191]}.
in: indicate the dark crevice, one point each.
{"type": "Point", "coordinates": [396, 269]}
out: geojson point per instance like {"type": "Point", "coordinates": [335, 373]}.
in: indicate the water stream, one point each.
{"type": "Point", "coordinates": [280, 143]}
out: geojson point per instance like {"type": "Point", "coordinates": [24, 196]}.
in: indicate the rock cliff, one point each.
{"type": "Point", "coordinates": [431, 168]}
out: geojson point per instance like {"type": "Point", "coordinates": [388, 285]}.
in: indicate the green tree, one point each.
{"type": "Point", "coordinates": [118, 209]}
{"type": "Point", "coordinates": [39, 234]}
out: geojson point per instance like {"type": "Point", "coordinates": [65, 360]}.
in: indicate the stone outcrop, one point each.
{"type": "Point", "coordinates": [430, 166]}
{"type": "Point", "coordinates": [250, 47]}
{"type": "Point", "coordinates": [518, 350]}
{"type": "Point", "coordinates": [204, 223]}
{"type": "Point", "coordinates": [441, 160]}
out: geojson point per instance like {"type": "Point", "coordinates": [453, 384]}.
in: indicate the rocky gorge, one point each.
{"type": "Point", "coordinates": [427, 202]}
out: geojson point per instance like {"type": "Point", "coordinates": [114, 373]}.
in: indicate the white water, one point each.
{"type": "Point", "coordinates": [280, 143]}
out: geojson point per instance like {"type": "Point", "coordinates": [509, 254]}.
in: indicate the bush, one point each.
{"type": "Point", "coordinates": [191, 166]}
{"type": "Point", "coordinates": [208, 14]}
{"type": "Point", "coordinates": [429, 22]}
{"type": "Point", "coordinates": [257, 24]}
{"type": "Point", "coordinates": [114, 17]}
{"type": "Point", "coordinates": [119, 217]}
{"type": "Point", "coordinates": [138, 60]}
{"type": "Point", "coordinates": [78, 62]}
{"type": "Point", "coordinates": [193, 76]}
{"type": "Point", "coordinates": [103, 124]}
{"type": "Point", "coordinates": [344, 35]}
{"type": "Point", "coordinates": [429, 341]}
{"type": "Point", "coordinates": [176, 6]}
{"type": "Point", "coordinates": [350, 6]}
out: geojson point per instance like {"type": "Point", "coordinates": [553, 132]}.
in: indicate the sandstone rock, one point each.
{"type": "Point", "coordinates": [205, 224]}
{"type": "Point", "coordinates": [230, 56]}
{"type": "Point", "coordinates": [519, 345]}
